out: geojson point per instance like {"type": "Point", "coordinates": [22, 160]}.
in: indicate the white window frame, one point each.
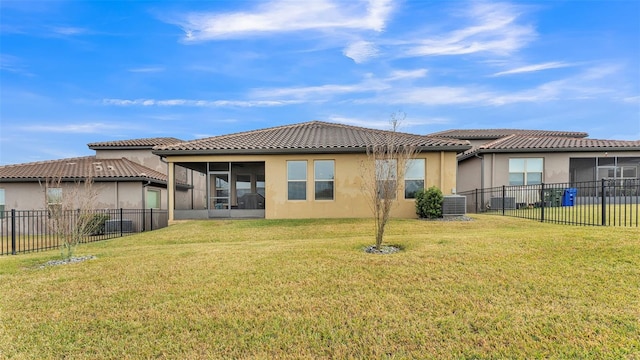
{"type": "Point", "coordinates": [329, 179]}
{"type": "Point", "coordinates": [409, 165]}
{"type": "Point", "coordinates": [158, 197]}
{"type": "Point", "coordinates": [54, 196]}
{"type": "Point", "coordinates": [296, 180]}
{"type": "Point", "coordinates": [525, 173]}
{"type": "Point", "coordinates": [54, 200]}
{"type": "Point", "coordinates": [386, 170]}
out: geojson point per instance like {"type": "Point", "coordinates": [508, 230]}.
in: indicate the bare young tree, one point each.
{"type": "Point", "coordinates": [70, 207]}
{"type": "Point", "coordinates": [382, 171]}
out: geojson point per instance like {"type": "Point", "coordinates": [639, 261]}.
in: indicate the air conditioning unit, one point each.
{"type": "Point", "coordinates": [454, 205]}
{"type": "Point", "coordinates": [111, 226]}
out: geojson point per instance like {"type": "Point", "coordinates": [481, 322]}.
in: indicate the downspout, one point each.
{"type": "Point", "coordinates": [481, 182]}
{"type": "Point", "coordinates": [144, 198]}
{"type": "Point", "coordinates": [193, 200]}
{"type": "Point", "coordinates": [144, 207]}
{"type": "Point", "coordinates": [442, 170]}
{"type": "Point", "coordinates": [481, 170]}
{"type": "Point", "coordinates": [493, 169]}
{"type": "Point", "coordinates": [169, 189]}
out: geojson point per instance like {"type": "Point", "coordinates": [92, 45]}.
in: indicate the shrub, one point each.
{"type": "Point", "coordinates": [429, 203]}
{"type": "Point", "coordinates": [94, 223]}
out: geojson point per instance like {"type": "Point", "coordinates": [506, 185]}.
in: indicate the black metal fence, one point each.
{"type": "Point", "coordinates": [601, 203]}
{"type": "Point", "coordinates": [24, 231]}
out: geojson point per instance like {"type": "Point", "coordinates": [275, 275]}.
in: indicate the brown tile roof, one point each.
{"type": "Point", "coordinates": [308, 137]}
{"type": "Point", "coordinates": [81, 168]}
{"type": "Point", "coordinates": [524, 143]}
{"type": "Point", "coordinates": [146, 143]}
{"type": "Point", "coordinates": [479, 134]}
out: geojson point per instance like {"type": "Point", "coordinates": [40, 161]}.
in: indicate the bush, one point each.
{"type": "Point", "coordinates": [429, 203]}
{"type": "Point", "coordinates": [94, 224]}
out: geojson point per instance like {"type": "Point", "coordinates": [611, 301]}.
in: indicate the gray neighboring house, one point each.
{"type": "Point", "coordinates": [125, 174]}
{"type": "Point", "coordinates": [525, 157]}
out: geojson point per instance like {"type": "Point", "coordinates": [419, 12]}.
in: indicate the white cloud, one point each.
{"type": "Point", "coordinates": [385, 124]}
{"type": "Point", "coordinates": [360, 51]}
{"type": "Point", "coordinates": [579, 87]}
{"type": "Point", "coordinates": [150, 69]}
{"type": "Point", "coordinates": [68, 30]}
{"type": "Point", "coordinates": [377, 13]}
{"type": "Point", "coordinates": [13, 64]}
{"type": "Point", "coordinates": [493, 29]}
{"type": "Point", "coordinates": [286, 16]}
{"type": "Point", "coordinates": [407, 74]}
{"type": "Point", "coordinates": [309, 92]}
{"type": "Point", "coordinates": [198, 103]}
{"type": "Point", "coordinates": [600, 71]}
{"type": "Point", "coordinates": [632, 99]}
{"type": "Point", "coordinates": [87, 128]}
{"type": "Point", "coordinates": [533, 68]}
{"type": "Point", "coordinates": [372, 90]}
{"type": "Point", "coordinates": [436, 95]}
{"type": "Point", "coordinates": [381, 124]}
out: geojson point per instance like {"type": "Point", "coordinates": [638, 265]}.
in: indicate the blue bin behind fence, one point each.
{"type": "Point", "coordinates": [569, 197]}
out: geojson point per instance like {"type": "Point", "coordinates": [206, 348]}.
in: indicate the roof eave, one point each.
{"type": "Point", "coordinates": [122, 147]}
{"type": "Point", "coordinates": [74, 179]}
{"type": "Point", "coordinates": [342, 150]}
{"type": "Point", "coordinates": [547, 150]}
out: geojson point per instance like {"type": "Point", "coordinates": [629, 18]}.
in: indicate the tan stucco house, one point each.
{"type": "Point", "coordinates": [305, 170]}
{"type": "Point", "coordinates": [125, 174]}
{"type": "Point", "coordinates": [528, 157]}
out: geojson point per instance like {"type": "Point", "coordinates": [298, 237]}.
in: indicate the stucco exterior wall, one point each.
{"type": "Point", "coordinates": [349, 201]}
{"type": "Point", "coordinates": [469, 174]}
{"type": "Point", "coordinates": [110, 195]}
{"type": "Point", "coordinates": [143, 157]}
{"type": "Point", "coordinates": [496, 167]}
{"type": "Point", "coordinates": [23, 196]}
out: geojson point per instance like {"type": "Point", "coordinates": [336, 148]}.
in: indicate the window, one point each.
{"type": "Point", "coordinates": [618, 167]}
{"type": "Point", "coordinates": [54, 196]}
{"type": "Point", "coordinates": [324, 176]}
{"type": "Point", "coordinates": [386, 175]}
{"type": "Point", "coordinates": [1, 203]}
{"type": "Point", "coordinates": [413, 178]}
{"type": "Point", "coordinates": [260, 184]}
{"type": "Point", "coordinates": [153, 199]}
{"type": "Point", "coordinates": [243, 185]}
{"type": "Point", "coordinates": [525, 171]}
{"type": "Point", "coordinates": [54, 200]}
{"type": "Point", "coordinates": [297, 180]}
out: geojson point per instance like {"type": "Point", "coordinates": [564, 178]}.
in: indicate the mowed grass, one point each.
{"type": "Point", "coordinates": [27, 243]}
{"type": "Point", "coordinates": [615, 214]}
{"type": "Point", "coordinates": [494, 287]}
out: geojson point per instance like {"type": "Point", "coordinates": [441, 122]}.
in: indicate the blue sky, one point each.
{"type": "Point", "coordinates": [75, 72]}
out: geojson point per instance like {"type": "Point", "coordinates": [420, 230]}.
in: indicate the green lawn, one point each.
{"type": "Point", "coordinates": [495, 287]}
{"type": "Point", "coordinates": [616, 215]}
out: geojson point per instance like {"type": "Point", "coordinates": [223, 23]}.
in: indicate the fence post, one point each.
{"type": "Point", "coordinates": [13, 231]}
{"type": "Point", "coordinates": [603, 204]}
{"type": "Point", "coordinates": [151, 219]}
{"type": "Point", "coordinates": [542, 203]}
{"type": "Point", "coordinates": [504, 196]}
{"type": "Point", "coordinates": [121, 222]}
